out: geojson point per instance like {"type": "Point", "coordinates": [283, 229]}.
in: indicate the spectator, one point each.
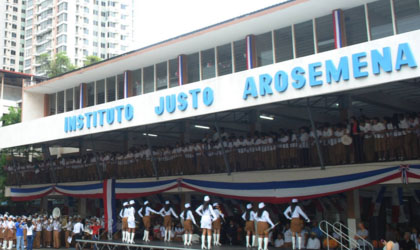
{"type": "Point", "coordinates": [19, 225]}
{"type": "Point", "coordinates": [313, 242]}
{"type": "Point", "coordinates": [390, 245]}
{"type": "Point", "coordinates": [287, 236]}
{"type": "Point", "coordinates": [362, 235]}
{"type": "Point", "coordinates": [279, 242]}
{"type": "Point", "coordinates": [315, 229]}
{"type": "Point", "coordinates": [406, 243]}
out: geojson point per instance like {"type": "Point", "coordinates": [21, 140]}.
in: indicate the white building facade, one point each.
{"type": "Point", "coordinates": [12, 16]}
{"type": "Point", "coordinates": [79, 28]}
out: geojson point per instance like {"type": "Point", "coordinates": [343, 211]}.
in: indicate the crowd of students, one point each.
{"type": "Point", "coordinates": [359, 140]}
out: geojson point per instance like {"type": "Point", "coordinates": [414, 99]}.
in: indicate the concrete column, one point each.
{"type": "Point", "coordinates": [44, 204]}
{"type": "Point", "coordinates": [81, 209]}
{"type": "Point", "coordinates": [353, 211]}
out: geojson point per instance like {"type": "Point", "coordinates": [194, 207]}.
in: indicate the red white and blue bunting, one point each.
{"type": "Point", "coordinates": [273, 192]}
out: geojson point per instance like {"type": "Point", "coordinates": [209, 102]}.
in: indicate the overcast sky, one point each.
{"type": "Point", "coordinates": [158, 20]}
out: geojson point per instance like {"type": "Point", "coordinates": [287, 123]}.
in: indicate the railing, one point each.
{"type": "Point", "coordinates": [345, 241]}
{"type": "Point", "coordinates": [366, 245]}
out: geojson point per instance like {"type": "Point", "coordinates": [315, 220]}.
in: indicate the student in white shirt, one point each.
{"type": "Point", "coordinates": [145, 212]}
{"type": "Point", "coordinates": [263, 219]}
{"type": "Point", "coordinates": [207, 217]}
{"type": "Point", "coordinates": [217, 224]}
{"type": "Point", "coordinates": [78, 230]}
{"type": "Point", "coordinates": [249, 218]}
{"type": "Point", "coordinates": [293, 213]}
{"type": "Point", "coordinates": [30, 228]}
{"type": "Point", "coordinates": [313, 242]}
{"type": "Point", "coordinates": [131, 222]}
{"type": "Point", "coordinates": [167, 212]}
{"type": "Point", "coordinates": [189, 219]}
{"type": "Point", "coordinates": [279, 242]}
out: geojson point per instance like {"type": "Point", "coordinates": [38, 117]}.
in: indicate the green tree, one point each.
{"type": "Point", "coordinates": [11, 118]}
{"type": "Point", "coordinates": [91, 60]}
{"type": "Point", "coordinates": [57, 66]}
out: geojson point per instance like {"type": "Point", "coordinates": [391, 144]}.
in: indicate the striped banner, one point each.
{"type": "Point", "coordinates": [337, 29]}
{"type": "Point", "coordinates": [272, 192]}
{"type": "Point", "coordinates": [249, 52]}
{"type": "Point", "coordinates": [110, 205]}
{"type": "Point", "coordinates": [180, 70]}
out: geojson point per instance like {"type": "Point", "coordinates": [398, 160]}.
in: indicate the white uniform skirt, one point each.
{"type": "Point", "coordinates": [206, 222]}
{"type": "Point", "coordinates": [131, 223]}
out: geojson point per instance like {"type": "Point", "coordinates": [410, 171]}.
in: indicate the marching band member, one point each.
{"type": "Point", "coordinates": [263, 219]}
{"type": "Point", "coordinates": [249, 218]}
{"type": "Point", "coordinates": [9, 232]}
{"type": "Point", "coordinates": [124, 226]}
{"type": "Point", "coordinates": [167, 212]}
{"type": "Point", "coordinates": [57, 230]}
{"type": "Point", "coordinates": [38, 233]}
{"type": "Point", "coordinates": [217, 224]}
{"type": "Point", "coordinates": [1, 230]}
{"type": "Point", "coordinates": [68, 227]}
{"type": "Point", "coordinates": [131, 221]}
{"type": "Point", "coordinates": [49, 228]}
{"type": "Point", "coordinates": [207, 216]}
{"type": "Point", "coordinates": [293, 213]}
{"type": "Point", "coordinates": [188, 218]}
{"type": "Point", "coordinates": [144, 212]}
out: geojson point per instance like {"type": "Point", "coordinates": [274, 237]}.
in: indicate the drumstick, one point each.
{"type": "Point", "coordinates": [271, 228]}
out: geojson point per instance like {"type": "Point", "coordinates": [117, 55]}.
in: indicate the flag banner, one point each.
{"type": "Point", "coordinates": [110, 206]}
{"type": "Point", "coordinates": [272, 191]}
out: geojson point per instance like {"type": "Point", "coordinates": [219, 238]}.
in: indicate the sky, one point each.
{"type": "Point", "coordinates": [158, 20]}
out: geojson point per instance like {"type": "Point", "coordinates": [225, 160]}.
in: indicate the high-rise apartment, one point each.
{"type": "Point", "coordinates": [12, 34]}
{"type": "Point", "coordinates": [79, 28]}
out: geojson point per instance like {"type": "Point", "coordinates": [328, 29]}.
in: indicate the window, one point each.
{"type": "Point", "coordinates": [239, 50]}
{"type": "Point", "coordinates": [62, 6]}
{"type": "Point", "coordinates": [355, 24]}
{"type": "Point", "coordinates": [193, 70]}
{"type": "Point", "coordinates": [149, 78]}
{"type": "Point", "coordinates": [103, 25]}
{"type": "Point", "coordinates": [86, 20]}
{"type": "Point", "coordinates": [407, 15]}
{"type": "Point", "coordinates": [123, 6]}
{"type": "Point", "coordinates": [90, 91]}
{"type": "Point", "coordinates": [95, 12]}
{"type": "Point", "coordinates": [161, 76]}
{"type": "Point", "coordinates": [62, 17]}
{"type": "Point", "coordinates": [95, 44]}
{"type": "Point", "coordinates": [264, 49]}
{"type": "Point", "coordinates": [324, 33]}
{"type": "Point", "coordinates": [60, 102]}
{"type": "Point", "coordinates": [136, 74]}
{"type": "Point", "coordinates": [224, 59]}
{"type": "Point", "coordinates": [380, 19]}
{"type": "Point", "coordinates": [304, 39]}
{"type": "Point", "coordinates": [69, 100]}
{"type": "Point", "coordinates": [62, 49]}
{"type": "Point", "coordinates": [95, 33]}
{"type": "Point", "coordinates": [61, 39]}
{"type": "Point", "coordinates": [208, 68]}
{"type": "Point", "coordinates": [102, 45]}
{"type": "Point", "coordinates": [76, 97]}
{"type": "Point", "coordinates": [120, 85]}
{"type": "Point", "coordinates": [86, 10]}
{"type": "Point", "coordinates": [96, 23]}
{"type": "Point", "coordinates": [51, 104]}
{"type": "Point", "coordinates": [173, 73]}
{"type": "Point", "coordinates": [110, 89]}
{"type": "Point", "coordinates": [100, 91]}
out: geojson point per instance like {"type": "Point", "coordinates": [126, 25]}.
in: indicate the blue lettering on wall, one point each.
{"type": "Point", "coordinates": [90, 119]}
{"type": "Point", "coordinates": [181, 101]}
{"type": "Point", "coordinates": [381, 60]}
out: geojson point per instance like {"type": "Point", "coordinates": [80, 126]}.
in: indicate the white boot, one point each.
{"type": "Point", "coordinates": [185, 237]}
{"type": "Point", "coordinates": [214, 240]}
{"type": "Point", "coordinates": [266, 243]}
{"type": "Point", "coordinates": [132, 238]}
{"type": "Point", "coordinates": [260, 242]}
{"type": "Point", "coordinates": [146, 236]}
{"type": "Point", "coordinates": [203, 242]}
{"type": "Point", "coordinates": [254, 241]}
{"type": "Point", "coordinates": [293, 242]}
{"type": "Point", "coordinates": [218, 240]}
{"type": "Point", "coordinates": [10, 244]}
{"type": "Point", "coordinates": [247, 241]}
{"type": "Point", "coordinates": [189, 239]}
{"type": "Point", "coordinates": [169, 235]}
{"type": "Point", "coordinates": [299, 240]}
{"type": "Point", "coordinates": [166, 237]}
{"type": "Point", "coordinates": [123, 236]}
{"type": "Point", "coordinates": [4, 244]}
{"type": "Point", "coordinates": [209, 241]}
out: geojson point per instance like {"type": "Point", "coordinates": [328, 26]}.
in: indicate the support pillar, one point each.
{"type": "Point", "coordinates": [44, 205]}
{"type": "Point", "coordinates": [128, 84]}
{"type": "Point", "coordinates": [182, 70]}
{"type": "Point", "coordinates": [81, 209]}
{"type": "Point", "coordinates": [353, 212]}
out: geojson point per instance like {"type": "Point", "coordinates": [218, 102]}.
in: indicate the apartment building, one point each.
{"type": "Point", "coordinates": [12, 16]}
{"type": "Point", "coordinates": [79, 28]}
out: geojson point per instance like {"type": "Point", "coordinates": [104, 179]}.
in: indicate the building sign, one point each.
{"type": "Point", "coordinates": [314, 77]}
{"type": "Point", "coordinates": [182, 101]}
{"type": "Point", "coordinates": [117, 114]}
